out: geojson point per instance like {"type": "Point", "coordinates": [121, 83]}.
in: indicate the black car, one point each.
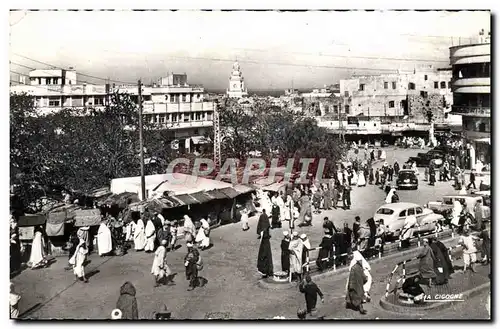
{"type": "Point", "coordinates": [407, 179]}
{"type": "Point", "coordinates": [423, 159]}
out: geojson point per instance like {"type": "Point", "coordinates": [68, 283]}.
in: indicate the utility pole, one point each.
{"type": "Point", "coordinates": [141, 141]}
{"type": "Point", "coordinates": [217, 141]}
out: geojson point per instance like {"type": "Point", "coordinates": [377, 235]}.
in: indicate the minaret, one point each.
{"type": "Point", "coordinates": [236, 83]}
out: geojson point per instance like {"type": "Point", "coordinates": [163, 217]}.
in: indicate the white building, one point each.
{"type": "Point", "coordinates": [471, 86]}
{"type": "Point", "coordinates": [171, 104]}
{"type": "Point", "coordinates": [237, 87]}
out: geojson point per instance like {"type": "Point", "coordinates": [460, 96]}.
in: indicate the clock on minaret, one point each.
{"type": "Point", "coordinates": [235, 86]}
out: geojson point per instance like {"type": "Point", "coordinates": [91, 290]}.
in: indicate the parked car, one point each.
{"type": "Point", "coordinates": [407, 179]}
{"type": "Point", "coordinates": [445, 206]}
{"type": "Point", "coordinates": [395, 214]}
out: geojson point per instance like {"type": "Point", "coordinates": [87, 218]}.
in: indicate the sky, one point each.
{"type": "Point", "coordinates": [275, 49]}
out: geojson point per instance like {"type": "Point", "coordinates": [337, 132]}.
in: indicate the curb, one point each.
{"type": "Point", "coordinates": [433, 307]}
{"type": "Point", "coordinates": [268, 284]}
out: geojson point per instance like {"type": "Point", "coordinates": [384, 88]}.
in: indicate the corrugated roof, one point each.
{"type": "Point", "coordinates": [230, 192]}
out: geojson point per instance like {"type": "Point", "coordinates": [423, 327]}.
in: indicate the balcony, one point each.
{"type": "Point", "coordinates": [157, 108]}
{"type": "Point", "coordinates": [474, 111]}
{"type": "Point", "coordinates": [471, 82]}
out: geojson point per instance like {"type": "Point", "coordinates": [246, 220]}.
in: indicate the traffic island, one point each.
{"type": "Point", "coordinates": [279, 281]}
{"type": "Point", "coordinates": [459, 289]}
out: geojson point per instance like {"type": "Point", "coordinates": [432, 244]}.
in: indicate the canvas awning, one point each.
{"type": "Point", "coordinates": [486, 140]}
{"type": "Point", "coordinates": [202, 197]}
{"type": "Point", "coordinates": [122, 199]}
{"type": "Point", "coordinates": [274, 187]}
{"type": "Point", "coordinates": [31, 220]}
{"type": "Point", "coordinates": [200, 140]}
{"type": "Point", "coordinates": [217, 195]}
{"type": "Point", "coordinates": [242, 189]}
{"type": "Point", "coordinates": [186, 199]}
{"type": "Point", "coordinates": [230, 192]}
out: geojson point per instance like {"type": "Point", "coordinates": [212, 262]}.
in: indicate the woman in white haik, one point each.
{"type": "Point", "coordinates": [160, 269]}
{"type": "Point", "coordinates": [244, 220]}
{"type": "Point", "coordinates": [203, 233]}
{"type": "Point", "coordinates": [357, 257]}
{"type": "Point", "coordinates": [189, 229]}
{"type": "Point", "coordinates": [139, 235]}
{"type": "Point", "coordinates": [150, 234]}
{"type": "Point", "coordinates": [78, 261]}
{"type": "Point", "coordinates": [388, 198]}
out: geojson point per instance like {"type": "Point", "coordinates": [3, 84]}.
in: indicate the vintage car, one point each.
{"type": "Point", "coordinates": [395, 214]}
{"type": "Point", "coordinates": [424, 159]}
{"type": "Point", "coordinates": [407, 179]}
{"type": "Point", "coordinates": [445, 206]}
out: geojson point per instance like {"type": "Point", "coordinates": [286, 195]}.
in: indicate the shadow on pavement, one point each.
{"type": "Point", "coordinates": [30, 310]}
{"type": "Point", "coordinates": [92, 273]}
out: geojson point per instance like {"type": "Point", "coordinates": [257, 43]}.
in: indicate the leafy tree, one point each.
{"type": "Point", "coordinates": [277, 133]}
{"type": "Point", "coordinates": [80, 149]}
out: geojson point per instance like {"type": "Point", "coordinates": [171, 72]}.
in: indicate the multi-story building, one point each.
{"type": "Point", "coordinates": [237, 87]}
{"type": "Point", "coordinates": [171, 104]}
{"type": "Point", "coordinates": [398, 95]}
{"type": "Point", "coordinates": [471, 94]}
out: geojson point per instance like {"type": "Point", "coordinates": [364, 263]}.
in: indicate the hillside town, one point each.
{"type": "Point", "coordinates": [367, 198]}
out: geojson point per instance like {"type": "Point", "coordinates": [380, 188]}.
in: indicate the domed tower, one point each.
{"type": "Point", "coordinates": [236, 83]}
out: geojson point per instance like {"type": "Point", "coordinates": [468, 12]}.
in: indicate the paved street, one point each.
{"type": "Point", "coordinates": [230, 268]}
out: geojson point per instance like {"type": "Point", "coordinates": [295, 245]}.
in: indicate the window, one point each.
{"type": "Point", "coordinates": [393, 85]}
{"type": "Point", "coordinates": [39, 81]}
{"type": "Point", "coordinates": [423, 94]}
{"type": "Point", "coordinates": [436, 85]}
{"type": "Point", "coordinates": [183, 97]}
{"type": "Point", "coordinates": [98, 100]}
{"type": "Point", "coordinates": [174, 117]}
{"type": "Point", "coordinates": [186, 117]}
{"type": "Point", "coordinates": [48, 81]}
{"type": "Point", "coordinates": [192, 116]}
{"type": "Point", "coordinates": [335, 108]}
{"type": "Point", "coordinates": [425, 77]}
{"type": "Point", "coordinates": [198, 116]}
{"type": "Point", "coordinates": [443, 85]}
{"type": "Point", "coordinates": [411, 86]}
{"type": "Point", "coordinates": [482, 127]}
{"type": "Point", "coordinates": [54, 101]}
{"type": "Point", "coordinates": [411, 212]}
{"type": "Point", "coordinates": [386, 85]}
{"type": "Point", "coordinates": [402, 214]}
{"type": "Point", "coordinates": [419, 211]}
{"type": "Point", "coordinates": [209, 116]}
{"type": "Point", "coordinates": [385, 211]}
{"type": "Point", "coordinates": [32, 79]}
{"type": "Point", "coordinates": [346, 93]}
{"type": "Point", "coordinates": [361, 87]}
{"type": "Point", "coordinates": [162, 118]}
{"type": "Point", "coordinates": [146, 97]}
{"type": "Point", "coordinates": [347, 109]}
{"type": "Point", "coordinates": [391, 104]}
{"type": "Point", "coordinates": [56, 81]}
{"type": "Point", "coordinates": [449, 84]}
{"type": "Point", "coordinates": [154, 118]}
{"type": "Point", "coordinates": [198, 96]}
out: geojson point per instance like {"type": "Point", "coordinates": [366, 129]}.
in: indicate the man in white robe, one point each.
{"type": "Point", "coordinates": [296, 246]}
{"type": "Point", "coordinates": [139, 235]}
{"type": "Point", "coordinates": [160, 269]}
{"type": "Point", "coordinates": [104, 241]}
{"type": "Point", "coordinates": [150, 233]}
{"type": "Point", "coordinates": [78, 261]}
{"type": "Point", "coordinates": [37, 256]}
{"type": "Point", "coordinates": [281, 204]}
{"type": "Point", "coordinates": [129, 231]}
